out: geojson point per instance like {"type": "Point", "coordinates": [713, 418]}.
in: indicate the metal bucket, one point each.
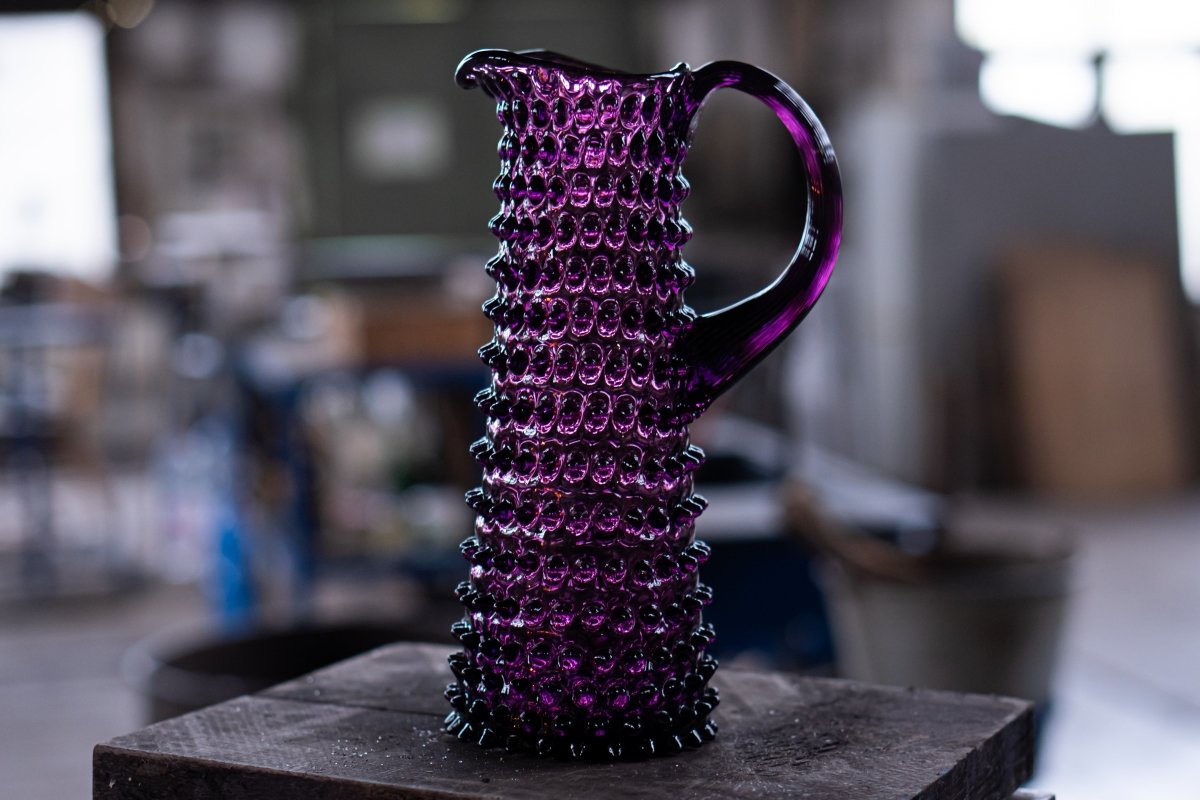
{"type": "Point", "coordinates": [185, 672]}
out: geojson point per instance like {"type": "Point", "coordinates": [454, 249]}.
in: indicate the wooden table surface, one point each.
{"type": "Point", "coordinates": [370, 728]}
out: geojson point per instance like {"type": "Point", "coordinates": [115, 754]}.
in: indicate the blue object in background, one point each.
{"type": "Point", "coordinates": [232, 581]}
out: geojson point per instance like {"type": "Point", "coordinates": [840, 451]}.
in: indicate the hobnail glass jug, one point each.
{"type": "Point", "coordinates": [583, 634]}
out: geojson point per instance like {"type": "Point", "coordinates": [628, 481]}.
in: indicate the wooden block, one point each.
{"type": "Point", "coordinates": [1097, 373]}
{"type": "Point", "coordinates": [370, 728]}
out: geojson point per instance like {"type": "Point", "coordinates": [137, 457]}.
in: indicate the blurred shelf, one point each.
{"type": "Point", "coordinates": [412, 258]}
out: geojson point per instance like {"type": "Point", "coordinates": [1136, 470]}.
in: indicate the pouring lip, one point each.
{"type": "Point", "coordinates": [465, 75]}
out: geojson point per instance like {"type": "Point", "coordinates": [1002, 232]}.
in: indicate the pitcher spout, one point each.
{"type": "Point", "coordinates": [506, 72]}
{"type": "Point", "coordinates": [480, 67]}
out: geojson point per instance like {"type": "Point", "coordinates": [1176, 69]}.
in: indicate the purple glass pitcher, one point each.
{"type": "Point", "coordinates": [583, 634]}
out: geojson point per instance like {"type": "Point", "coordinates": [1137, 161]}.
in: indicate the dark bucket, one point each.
{"type": "Point", "coordinates": [180, 673]}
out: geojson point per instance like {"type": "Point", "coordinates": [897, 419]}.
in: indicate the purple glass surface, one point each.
{"type": "Point", "coordinates": [583, 634]}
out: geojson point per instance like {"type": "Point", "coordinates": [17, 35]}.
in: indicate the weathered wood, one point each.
{"type": "Point", "coordinates": [369, 728]}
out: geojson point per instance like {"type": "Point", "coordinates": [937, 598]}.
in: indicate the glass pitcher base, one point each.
{"type": "Point", "coordinates": [595, 745]}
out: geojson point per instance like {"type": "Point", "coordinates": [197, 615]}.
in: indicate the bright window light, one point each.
{"type": "Point", "coordinates": [1054, 89]}
{"type": "Point", "coordinates": [56, 188]}
{"type": "Point", "coordinates": [1147, 23]}
{"type": "Point", "coordinates": [1150, 91]}
{"type": "Point", "coordinates": [1187, 190]}
{"type": "Point", "coordinates": [1036, 65]}
{"type": "Point", "coordinates": [1076, 25]}
{"type": "Point", "coordinates": [1011, 25]}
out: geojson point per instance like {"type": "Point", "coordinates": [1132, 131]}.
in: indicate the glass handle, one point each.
{"type": "Point", "coordinates": [723, 345]}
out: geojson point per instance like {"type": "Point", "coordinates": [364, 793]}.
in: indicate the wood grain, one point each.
{"type": "Point", "coordinates": [370, 728]}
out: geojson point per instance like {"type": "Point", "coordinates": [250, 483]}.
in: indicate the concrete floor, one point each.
{"type": "Point", "coordinates": [1126, 724]}
{"type": "Point", "coordinates": [60, 685]}
{"type": "Point", "coordinates": [1126, 721]}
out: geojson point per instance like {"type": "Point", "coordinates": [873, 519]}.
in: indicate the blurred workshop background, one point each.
{"type": "Point", "coordinates": [241, 269]}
